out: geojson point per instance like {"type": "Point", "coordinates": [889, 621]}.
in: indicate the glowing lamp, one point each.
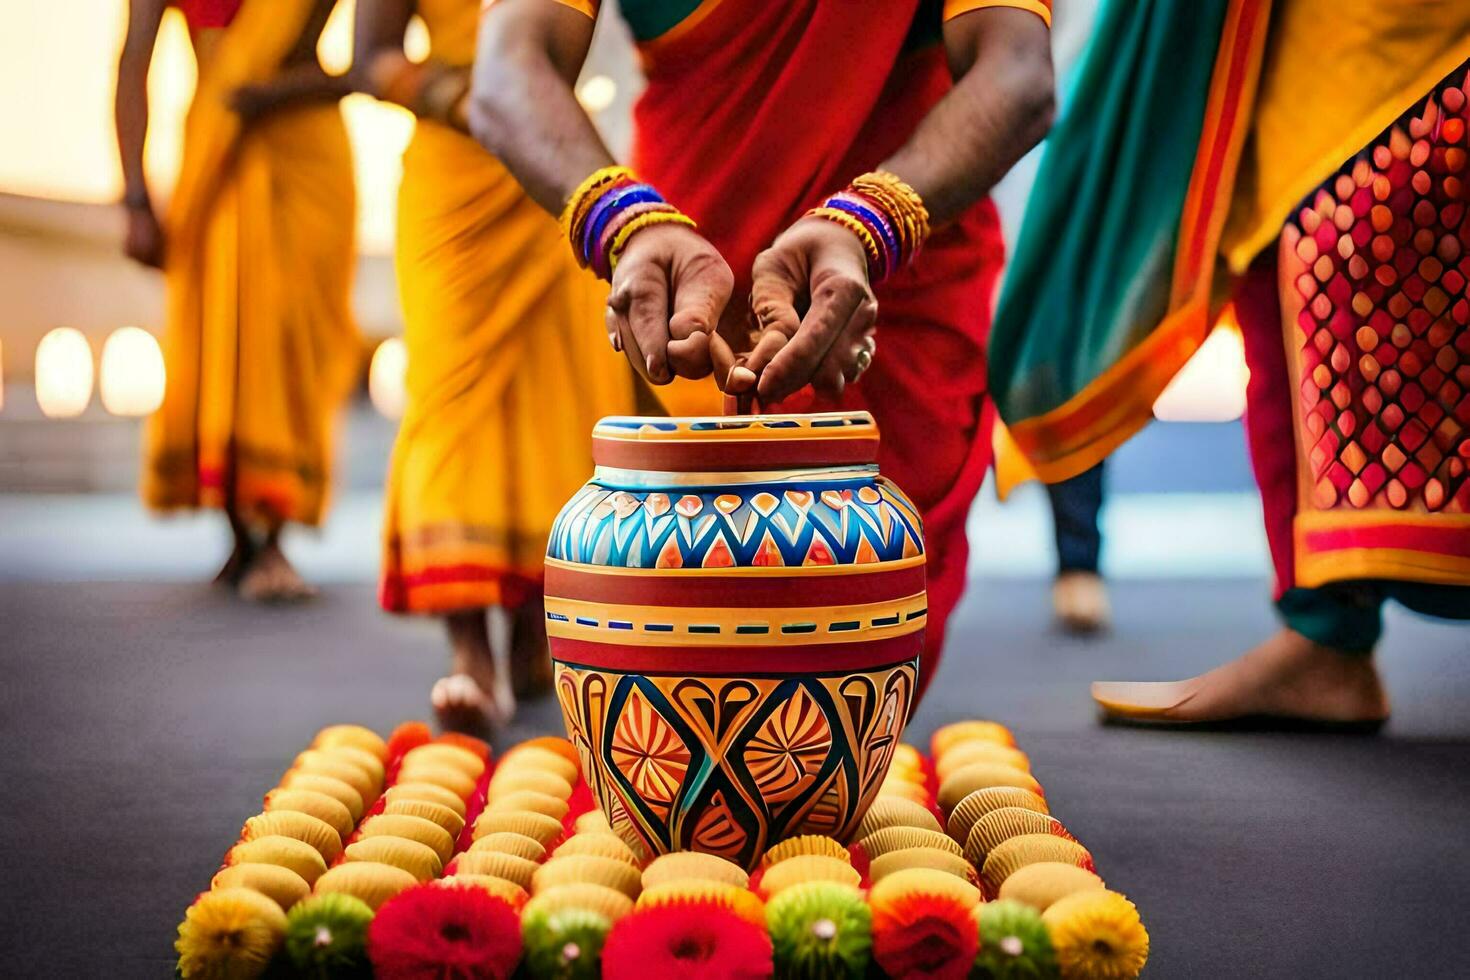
{"type": "Point", "coordinates": [597, 93]}
{"type": "Point", "coordinates": [385, 378]}
{"type": "Point", "coordinates": [132, 376]}
{"type": "Point", "coordinates": [63, 373]}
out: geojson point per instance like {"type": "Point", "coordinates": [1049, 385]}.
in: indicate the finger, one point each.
{"type": "Point", "coordinates": [723, 360]}
{"type": "Point", "coordinates": [767, 346]}
{"type": "Point", "coordinates": [689, 356]}
{"type": "Point", "coordinates": [612, 321]}
{"type": "Point", "coordinates": [773, 293]}
{"type": "Point", "coordinates": [840, 365]}
{"type": "Point", "coordinates": [700, 295]}
{"type": "Point", "coordinates": [623, 338]}
{"type": "Point", "coordinates": [645, 296]}
{"type": "Point", "coordinates": [836, 296]}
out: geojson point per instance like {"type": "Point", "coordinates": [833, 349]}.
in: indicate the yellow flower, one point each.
{"type": "Point", "coordinates": [229, 934]}
{"type": "Point", "coordinates": [1097, 936]}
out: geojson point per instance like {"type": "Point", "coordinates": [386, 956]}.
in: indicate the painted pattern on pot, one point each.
{"type": "Point", "coordinates": [736, 609]}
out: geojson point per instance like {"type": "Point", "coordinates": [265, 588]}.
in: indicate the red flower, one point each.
{"type": "Point", "coordinates": [684, 940]}
{"type": "Point", "coordinates": [928, 936]}
{"type": "Point", "coordinates": [432, 932]}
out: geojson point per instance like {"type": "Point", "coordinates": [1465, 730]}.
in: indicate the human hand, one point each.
{"type": "Point", "coordinates": [815, 311]}
{"type": "Point", "coordinates": [668, 292]}
{"type": "Point", "coordinates": [144, 241]}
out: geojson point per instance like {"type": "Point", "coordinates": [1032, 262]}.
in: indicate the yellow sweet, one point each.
{"type": "Point", "coordinates": [439, 774]}
{"type": "Point", "coordinates": [982, 775]}
{"type": "Point", "coordinates": [805, 844]}
{"type": "Point", "coordinates": [740, 900]}
{"type": "Point", "coordinates": [536, 757]}
{"type": "Point", "coordinates": [330, 785]}
{"type": "Point", "coordinates": [412, 828]}
{"type": "Point", "coordinates": [977, 804]}
{"type": "Point", "coordinates": [321, 762]}
{"type": "Point", "coordinates": [903, 789]}
{"type": "Point", "coordinates": [592, 820]}
{"type": "Point", "coordinates": [363, 759]}
{"type": "Point", "coordinates": [441, 754]}
{"type": "Point", "coordinates": [894, 811]}
{"type": "Point", "coordinates": [693, 866]}
{"type": "Point", "coordinates": [507, 843]}
{"type": "Point", "coordinates": [961, 731]}
{"type": "Point", "coordinates": [513, 894]}
{"type": "Point", "coordinates": [417, 859]}
{"type": "Point", "coordinates": [607, 902]}
{"type": "Point", "coordinates": [438, 813]}
{"type": "Point", "coordinates": [889, 839]}
{"type": "Point", "coordinates": [575, 868]}
{"type": "Point", "coordinates": [325, 808]}
{"type": "Point", "coordinates": [286, 852]}
{"type": "Point", "coordinates": [372, 882]}
{"type": "Point", "coordinates": [281, 885]}
{"type": "Point", "coordinates": [429, 792]}
{"type": "Point", "coordinates": [1043, 884]}
{"type": "Point", "coordinates": [354, 735]}
{"type": "Point", "coordinates": [293, 823]}
{"type": "Point", "coordinates": [921, 881]}
{"type": "Point", "coordinates": [598, 844]}
{"type": "Point", "coordinates": [807, 867]}
{"type": "Point", "coordinates": [538, 826]}
{"type": "Point", "coordinates": [499, 865]}
{"type": "Point", "coordinates": [1012, 855]}
{"type": "Point", "coordinates": [921, 857]}
{"type": "Point", "coordinates": [529, 801]}
{"type": "Point", "coordinates": [538, 780]}
{"type": "Point", "coordinates": [999, 826]}
{"type": "Point", "coordinates": [980, 751]}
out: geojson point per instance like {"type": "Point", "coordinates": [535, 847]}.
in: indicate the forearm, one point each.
{"type": "Point", "coordinates": [1000, 107]}
{"type": "Point", "coordinates": [306, 82]}
{"type": "Point", "coordinates": [523, 108]}
{"type": "Point", "coordinates": [130, 107]}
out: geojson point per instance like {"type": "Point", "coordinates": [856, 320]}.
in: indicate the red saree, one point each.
{"type": "Point", "coordinates": [753, 113]}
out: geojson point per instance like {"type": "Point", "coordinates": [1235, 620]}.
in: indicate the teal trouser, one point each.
{"type": "Point", "coordinates": [1349, 615]}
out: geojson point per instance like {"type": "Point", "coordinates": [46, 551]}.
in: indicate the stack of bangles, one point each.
{"type": "Point", "coordinates": [606, 210]}
{"type": "Point", "coordinates": [886, 214]}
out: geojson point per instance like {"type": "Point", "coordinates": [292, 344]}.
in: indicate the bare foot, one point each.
{"type": "Point", "coordinates": [476, 697]}
{"type": "Point", "coordinates": [1286, 677]}
{"type": "Point", "coordinates": [269, 578]}
{"type": "Point", "coordinates": [234, 569]}
{"type": "Point", "coordinates": [530, 654]}
{"type": "Point", "coordinates": [1080, 601]}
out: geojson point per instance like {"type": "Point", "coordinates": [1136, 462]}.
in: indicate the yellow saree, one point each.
{"type": "Point", "coordinates": [508, 369]}
{"type": "Point", "coordinates": [259, 344]}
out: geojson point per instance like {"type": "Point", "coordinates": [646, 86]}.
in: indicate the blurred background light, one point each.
{"type": "Point", "coordinates": [132, 377]}
{"type": "Point", "coordinates": [597, 92]}
{"type": "Point", "coordinates": [1211, 388]}
{"type": "Point", "coordinates": [63, 373]}
{"type": "Point", "coordinates": [2, 377]}
{"type": "Point", "coordinates": [386, 377]}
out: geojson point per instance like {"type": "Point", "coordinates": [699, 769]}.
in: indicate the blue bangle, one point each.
{"type": "Point", "coordinates": [603, 211]}
{"type": "Point", "coordinates": [868, 217]}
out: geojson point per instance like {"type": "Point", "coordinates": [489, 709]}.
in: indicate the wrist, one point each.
{"type": "Point", "coordinates": [137, 201]}
{"type": "Point", "coordinates": [604, 213]}
{"type": "Point", "coordinates": [887, 216]}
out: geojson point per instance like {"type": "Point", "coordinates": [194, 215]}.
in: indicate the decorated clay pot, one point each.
{"type": "Point", "coordinates": [736, 608]}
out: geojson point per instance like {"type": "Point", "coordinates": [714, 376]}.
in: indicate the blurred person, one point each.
{"type": "Point", "coordinates": [257, 253]}
{"type": "Point", "coordinates": [1079, 597]}
{"type": "Point", "coordinates": [507, 374]}
{"type": "Point", "coordinates": [754, 113]}
{"type": "Point", "coordinates": [1316, 154]}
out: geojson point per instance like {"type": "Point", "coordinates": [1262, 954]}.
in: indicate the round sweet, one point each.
{"type": "Point", "coordinates": [572, 868]}
{"type": "Point", "coordinates": [965, 753]}
{"type": "Point", "coordinates": [324, 762]}
{"type": "Point", "coordinates": [439, 774]}
{"type": "Point", "coordinates": [805, 868]}
{"type": "Point", "coordinates": [962, 731]}
{"type": "Point", "coordinates": [537, 826]}
{"type": "Point", "coordinates": [413, 828]}
{"type": "Point", "coordinates": [592, 820]}
{"type": "Point", "coordinates": [293, 823]}
{"type": "Point", "coordinates": [889, 839]}
{"type": "Point", "coordinates": [607, 902]}
{"type": "Point", "coordinates": [354, 735]}
{"type": "Point", "coordinates": [1014, 943]}
{"type": "Point", "coordinates": [363, 759]}
{"type": "Point", "coordinates": [1044, 883]}
{"type": "Point", "coordinates": [529, 801]}
{"type": "Point", "coordinates": [999, 826]}
{"type": "Point", "coordinates": [518, 845]}
{"type": "Point", "coordinates": [564, 945]}
{"type": "Point", "coordinates": [693, 866]}
{"type": "Point", "coordinates": [1097, 934]}
{"type": "Point", "coordinates": [743, 902]}
{"type": "Point", "coordinates": [896, 812]}
{"type": "Point", "coordinates": [1014, 854]}
{"type": "Point", "coordinates": [921, 881]}
{"type": "Point", "coordinates": [440, 754]}
{"type": "Point", "coordinates": [545, 781]}
{"type": "Point", "coordinates": [536, 757]}
{"type": "Point", "coordinates": [437, 813]}
{"type": "Point", "coordinates": [895, 787]}
{"type": "Point", "coordinates": [430, 792]}
{"type": "Point", "coordinates": [905, 756]}
{"type": "Point", "coordinates": [598, 844]}
{"type": "Point", "coordinates": [331, 786]}
{"type": "Point", "coordinates": [419, 860]}
{"type": "Point", "coordinates": [281, 885]}
{"type": "Point", "coordinates": [229, 932]}
{"type": "Point", "coordinates": [286, 852]}
{"type": "Point", "coordinates": [922, 857]}
{"type": "Point", "coordinates": [820, 930]}
{"type": "Point", "coordinates": [805, 844]}
{"type": "Point", "coordinates": [325, 808]}
{"type": "Point", "coordinates": [500, 865]}
{"type": "Point", "coordinates": [982, 775]}
{"type": "Point", "coordinates": [513, 894]}
{"type": "Point", "coordinates": [326, 937]}
{"type": "Point", "coordinates": [976, 805]}
{"type": "Point", "coordinates": [369, 881]}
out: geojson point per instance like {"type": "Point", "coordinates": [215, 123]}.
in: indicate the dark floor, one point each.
{"type": "Point", "coordinates": [141, 724]}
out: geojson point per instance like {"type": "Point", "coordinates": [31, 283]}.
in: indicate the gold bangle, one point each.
{"type": "Point", "coordinates": [903, 203]}
{"type": "Point", "coordinates": [854, 225]}
{"type": "Point", "coordinates": [583, 197]}
{"type": "Point", "coordinates": [620, 242]}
